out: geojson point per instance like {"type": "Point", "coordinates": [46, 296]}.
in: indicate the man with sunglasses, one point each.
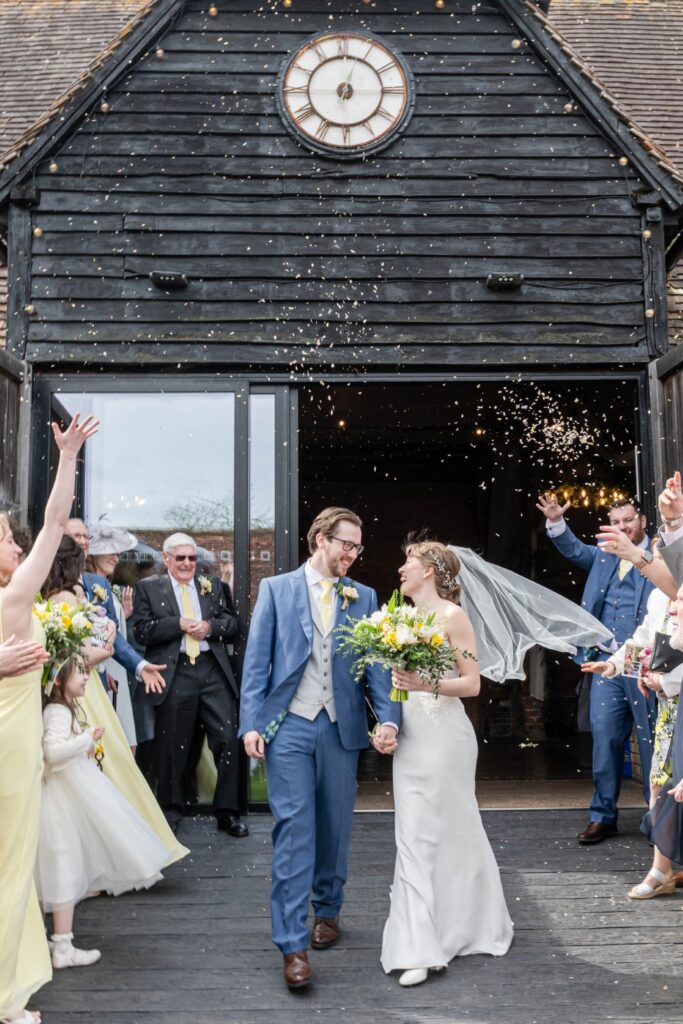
{"type": "Point", "coordinates": [185, 623]}
{"type": "Point", "coordinates": [303, 711]}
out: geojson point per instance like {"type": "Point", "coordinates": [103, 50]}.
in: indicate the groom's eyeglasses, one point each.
{"type": "Point", "coordinates": [348, 545]}
{"type": "Point", "coordinates": [185, 558]}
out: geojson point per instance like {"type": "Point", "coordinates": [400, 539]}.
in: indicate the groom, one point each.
{"type": "Point", "coordinates": [302, 710]}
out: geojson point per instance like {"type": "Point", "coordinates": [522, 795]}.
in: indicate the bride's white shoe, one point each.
{"type": "Point", "coordinates": [418, 975]}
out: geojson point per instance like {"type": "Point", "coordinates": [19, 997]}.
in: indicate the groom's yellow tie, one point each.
{"type": "Point", "coordinates": [326, 603]}
{"type": "Point", "coordinates": [191, 645]}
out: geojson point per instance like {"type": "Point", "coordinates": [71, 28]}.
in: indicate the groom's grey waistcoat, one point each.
{"type": "Point", "coordinates": [315, 689]}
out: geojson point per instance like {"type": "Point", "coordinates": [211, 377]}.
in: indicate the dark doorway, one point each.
{"type": "Point", "coordinates": [466, 460]}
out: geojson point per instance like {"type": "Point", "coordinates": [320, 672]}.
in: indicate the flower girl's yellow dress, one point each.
{"type": "Point", "coordinates": [24, 956]}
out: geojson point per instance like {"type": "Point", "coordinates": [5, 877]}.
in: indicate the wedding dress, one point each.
{"type": "Point", "coordinates": [446, 898]}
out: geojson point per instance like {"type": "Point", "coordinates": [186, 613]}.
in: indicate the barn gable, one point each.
{"type": "Point", "coordinates": [292, 257]}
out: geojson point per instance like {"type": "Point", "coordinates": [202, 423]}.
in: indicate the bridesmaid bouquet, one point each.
{"type": "Point", "coordinates": [399, 636]}
{"type": "Point", "coordinates": [66, 627]}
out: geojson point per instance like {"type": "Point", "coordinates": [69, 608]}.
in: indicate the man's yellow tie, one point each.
{"type": "Point", "coordinates": [326, 603]}
{"type": "Point", "coordinates": [191, 644]}
{"type": "Point", "coordinates": [623, 567]}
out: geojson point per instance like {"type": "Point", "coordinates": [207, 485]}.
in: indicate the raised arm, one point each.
{"type": "Point", "coordinates": [579, 554]}
{"type": "Point", "coordinates": [28, 578]}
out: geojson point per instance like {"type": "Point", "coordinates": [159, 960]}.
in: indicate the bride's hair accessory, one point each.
{"type": "Point", "coordinates": [445, 576]}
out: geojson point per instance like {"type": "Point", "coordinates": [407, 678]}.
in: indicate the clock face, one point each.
{"type": "Point", "coordinates": [345, 93]}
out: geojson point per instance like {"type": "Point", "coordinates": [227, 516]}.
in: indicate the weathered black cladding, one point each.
{"type": "Point", "coordinates": [192, 170]}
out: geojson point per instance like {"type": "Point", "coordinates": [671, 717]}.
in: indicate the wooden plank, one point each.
{"type": "Point", "coordinates": [506, 62]}
{"type": "Point", "coordinates": [397, 292]}
{"type": "Point", "coordinates": [357, 337]}
{"type": "Point", "coordinates": [559, 269]}
{"type": "Point", "coordinates": [18, 278]}
{"type": "Point", "coordinates": [518, 167]}
{"type": "Point", "coordinates": [281, 244]}
{"type": "Point", "coordinates": [387, 224]}
{"type": "Point", "coordinates": [164, 122]}
{"type": "Point", "coordinates": [285, 148]}
{"type": "Point", "coordinates": [342, 182]}
{"type": "Point", "coordinates": [186, 311]}
{"type": "Point", "coordinates": [291, 355]}
{"type": "Point", "coordinates": [617, 208]}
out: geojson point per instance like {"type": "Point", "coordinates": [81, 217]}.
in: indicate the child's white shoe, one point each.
{"type": "Point", "coordinates": [65, 954]}
{"type": "Point", "coordinates": [416, 976]}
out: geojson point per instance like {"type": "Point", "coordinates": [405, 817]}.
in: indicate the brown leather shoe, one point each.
{"type": "Point", "coordinates": [325, 932]}
{"type": "Point", "coordinates": [298, 971]}
{"type": "Point", "coordinates": [596, 832]}
{"type": "Point", "coordinates": [678, 879]}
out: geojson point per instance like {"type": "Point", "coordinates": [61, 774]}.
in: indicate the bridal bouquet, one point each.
{"type": "Point", "coordinates": [66, 627]}
{"type": "Point", "coordinates": [399, 636]}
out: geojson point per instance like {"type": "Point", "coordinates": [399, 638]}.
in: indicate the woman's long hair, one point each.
{"type": "Point", "coordinates": [67, 567]}
{"type": "Point", "coordinates": [57, 695]}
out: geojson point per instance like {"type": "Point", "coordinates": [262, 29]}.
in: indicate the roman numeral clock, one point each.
{"type": "Point", "coordinates": [345, 94]}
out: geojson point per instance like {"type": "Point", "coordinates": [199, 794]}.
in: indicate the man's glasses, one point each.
{"type": "Point", "coordinates": [349, 546]}
{"type": "Point", "coordinates": [185, 558]}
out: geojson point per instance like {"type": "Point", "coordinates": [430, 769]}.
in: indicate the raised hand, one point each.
{"type": "Point", "coordinates": [615, 542]}
{"type": "Point", "coordinates": [670, 501]}
{"type": "Point", "coordinates": [71, 440]}
{"type": "Point", "coordinates": [551, 508]}
{"type": "Point", "coordinates": [18, 658]}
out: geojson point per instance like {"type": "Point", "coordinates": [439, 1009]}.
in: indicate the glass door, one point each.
{"type": "Point", "coordinates": [201, 457]}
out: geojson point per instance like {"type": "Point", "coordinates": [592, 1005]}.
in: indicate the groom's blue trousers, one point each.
{"type": "Point", "coordinates": [312, 791]}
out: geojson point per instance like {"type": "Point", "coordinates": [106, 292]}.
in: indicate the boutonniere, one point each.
{"type": "Point", "coordinates": [347, 593]}
{"type": "Point", "coordinates": [117, 591]}
{"type": "Point", "coordinates": [99, 592]}
{"type": "Point", "coordinates": [205, 585]}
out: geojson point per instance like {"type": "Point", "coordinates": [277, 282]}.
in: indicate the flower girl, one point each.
{"type": "Point", "coordinates": [91, 839]}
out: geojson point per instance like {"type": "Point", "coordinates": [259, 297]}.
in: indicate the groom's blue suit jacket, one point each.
{"type": "Point", "coordinates": [278, 648]}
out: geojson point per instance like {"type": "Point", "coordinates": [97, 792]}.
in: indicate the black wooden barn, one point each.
{"type": "Point", "coordinates": [430, 315]}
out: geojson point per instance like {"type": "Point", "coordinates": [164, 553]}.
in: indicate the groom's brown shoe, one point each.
{"type": "Point", "coordinates": [325, 932]}
{"type": "Point", "coordinates": [597, 832]}
{"type": "Point", "coordinates": [298, 971]}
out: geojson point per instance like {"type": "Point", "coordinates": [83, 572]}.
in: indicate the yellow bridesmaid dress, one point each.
{"type": "Point", "coordinates": [24, 956]}
{"type": "Point", "coordinates": [120, 768]}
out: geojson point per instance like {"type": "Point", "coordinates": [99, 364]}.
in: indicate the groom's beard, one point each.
{"type": "Point", "coordinates": [676, 639]}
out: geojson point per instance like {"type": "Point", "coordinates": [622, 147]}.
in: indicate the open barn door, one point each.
{"type": "Point", "coordinates": [666, 403]}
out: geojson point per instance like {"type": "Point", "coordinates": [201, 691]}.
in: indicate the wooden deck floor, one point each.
{"type": "Point", "coordinates": [196, 948]}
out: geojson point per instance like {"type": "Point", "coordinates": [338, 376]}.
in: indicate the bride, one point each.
{"type": "Point", "coordinates": [446, 898]}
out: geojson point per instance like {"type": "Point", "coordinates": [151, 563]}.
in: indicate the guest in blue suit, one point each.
{"type": "Point", "coordinates": [302, 710]}
{"type": "Point", "coordinates": [616, 594]}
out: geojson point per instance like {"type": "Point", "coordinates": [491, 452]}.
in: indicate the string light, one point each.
{"type": "Point", "coordinates": [623, 161]}
{"type": "Point", "coordinates": [104, 107]}
{"type": "Point", "coordinates": [160, 53]}
{"type": "Point", "coordinates": [647, 233]}
{"type": "Point", "coordinates": [649, 313]}
{"type": "Point", "coordinates": [440, 4]}
{"type": "Point", "coordinates": [37, 232]}
{"type": "Point", "coordinates": [516, 44]}
{"type": "Point", "coordinates": [594, 495]}
{"type": "Point", "coordinates": [30, 308]}
{"type": "Point", "coordinates": [54, 167]}
{"type": "Point", "coordinates": [213, 11]}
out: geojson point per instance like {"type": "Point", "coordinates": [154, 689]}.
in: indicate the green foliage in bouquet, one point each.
{"type": "Point", "coordinates": [400, 636]}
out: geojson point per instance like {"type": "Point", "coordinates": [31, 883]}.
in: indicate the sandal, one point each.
{"type": "Point", "coordinates": [643, 891]}
{"type": "Point", "coordinates": [26, 1018]}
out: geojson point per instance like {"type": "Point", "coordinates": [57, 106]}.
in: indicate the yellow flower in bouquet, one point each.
{"type": "Point", "coordinates": [66, 628]}
{"type": "Point", "coordinates": [400, 636]}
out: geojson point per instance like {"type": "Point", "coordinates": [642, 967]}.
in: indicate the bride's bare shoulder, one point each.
{"type": "Point", "coordinates": [64, 596]}
{"type": "Point", "coordinates": [453, 613]}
